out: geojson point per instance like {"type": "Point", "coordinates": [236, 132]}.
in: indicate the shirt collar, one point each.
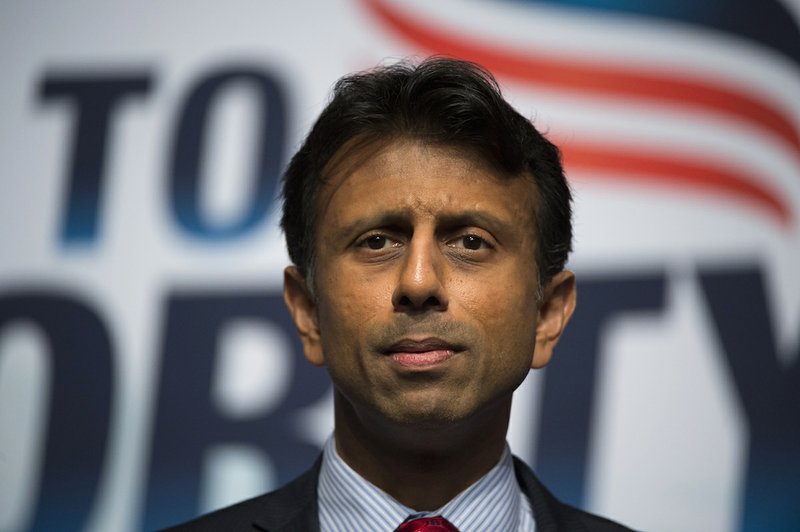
{"type": "Point", "coordinates": [348, 501]}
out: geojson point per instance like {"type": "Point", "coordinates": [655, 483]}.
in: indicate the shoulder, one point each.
{"type": "Point", "coordinates": [292, 507]}
{"type": "Point", "coordinates": [552, 514]}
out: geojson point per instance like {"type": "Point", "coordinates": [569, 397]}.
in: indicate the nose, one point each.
{"type": "Point", "coordinates": [420, 286]}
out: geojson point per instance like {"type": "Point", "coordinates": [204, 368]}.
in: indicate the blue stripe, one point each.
{"type": "Point", "coordinates": [767, 22]}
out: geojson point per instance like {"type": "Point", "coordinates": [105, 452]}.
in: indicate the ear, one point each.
{"type": "Point", "coordinates": [303, 309]}
{"type": "Point", "coordinates": [554, 313]}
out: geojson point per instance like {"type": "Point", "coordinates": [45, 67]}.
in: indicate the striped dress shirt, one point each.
{"type": "Point", "coordinates": [349, 502]}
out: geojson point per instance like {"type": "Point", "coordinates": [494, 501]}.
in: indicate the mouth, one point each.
{"type": "Point", "coordinates": [421, 353]}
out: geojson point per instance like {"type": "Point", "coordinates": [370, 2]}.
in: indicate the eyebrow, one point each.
{"type": "Point", "coordinates": [473, 217]}
{"type": "Point", "coordinates": [379, 219]}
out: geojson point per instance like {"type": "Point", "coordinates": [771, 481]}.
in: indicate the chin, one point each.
{"type": "Point", "coordinates": [428, 417]}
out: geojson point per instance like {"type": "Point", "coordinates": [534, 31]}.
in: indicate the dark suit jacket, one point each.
{"type": "Point", "coordinates": [293, 508]}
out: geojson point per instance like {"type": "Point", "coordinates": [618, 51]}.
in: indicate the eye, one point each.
{"type": "Point", "coordinates": [377, 242]}
{"type": "Point", "coordinates": [470, 242]}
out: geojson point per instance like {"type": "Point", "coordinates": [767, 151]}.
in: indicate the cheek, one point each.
{"type": "Point", "coordinates": [500, 300]}
{"type": "Point", "coordinates": [506, 312]}
{"type": "Point", "coordinates": [349, 302]}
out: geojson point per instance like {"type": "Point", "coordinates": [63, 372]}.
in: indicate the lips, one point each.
{"type": "Point", "coordinates": [419, 353]}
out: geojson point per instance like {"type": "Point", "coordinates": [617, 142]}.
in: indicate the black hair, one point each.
{"type": "Point", "coordinates": [440, 101]}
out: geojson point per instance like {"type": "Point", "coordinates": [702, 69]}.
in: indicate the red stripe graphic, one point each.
{"type": "Point", "coordinates": [692, 174]}
{"type": "Point", "coordinates": [584, 77]}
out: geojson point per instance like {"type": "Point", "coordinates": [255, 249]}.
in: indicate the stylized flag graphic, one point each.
{"type": "Point", "coordinates": [667, 88]}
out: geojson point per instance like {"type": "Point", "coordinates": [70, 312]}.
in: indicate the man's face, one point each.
{"type": "Point", "coordinates": [425, 307]}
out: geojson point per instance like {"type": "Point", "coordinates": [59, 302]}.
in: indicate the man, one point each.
{"type": "Point", "coordinates": [429, 224]}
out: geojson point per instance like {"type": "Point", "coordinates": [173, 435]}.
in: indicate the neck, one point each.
{"type": "Point", "coordinates": [399, 459]}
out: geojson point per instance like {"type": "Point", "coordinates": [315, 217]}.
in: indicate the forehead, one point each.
{"type": "Point", "coordinates": [415, 179]}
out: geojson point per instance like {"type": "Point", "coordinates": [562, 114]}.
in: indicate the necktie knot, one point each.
{"type": "Point", "coordinates": [427, 524]}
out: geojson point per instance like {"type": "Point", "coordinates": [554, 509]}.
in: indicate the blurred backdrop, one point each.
{"type": "Point", "coordinates": [148, 370]}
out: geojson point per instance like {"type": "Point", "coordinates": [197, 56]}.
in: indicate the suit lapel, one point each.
{"type": "Point", "coordinates": [294, 507]}
{"type": "Point", "coordinates": [550, 514]}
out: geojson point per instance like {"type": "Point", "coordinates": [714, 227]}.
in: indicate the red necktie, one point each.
{"type": "Point", "coordinates": [427, 524]}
